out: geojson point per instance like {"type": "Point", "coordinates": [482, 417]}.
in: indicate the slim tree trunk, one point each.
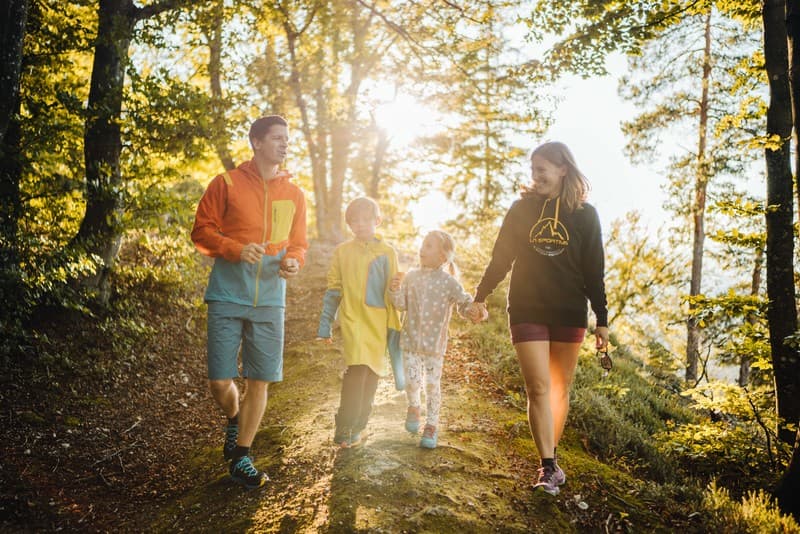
{"type": "Point", "coordinates": [781, 310]}
{"type": "Point", "coordinates": [698, 214]}
{"type": "Point", "coordinates": [755, 288]}
{"type": "Point", "coordinates": [214, 37]}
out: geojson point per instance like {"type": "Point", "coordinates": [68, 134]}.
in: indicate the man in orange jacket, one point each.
{"type": "Point", "coordinates": [252, 221]}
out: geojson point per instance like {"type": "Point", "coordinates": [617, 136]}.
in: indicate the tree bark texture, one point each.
{"type": "Point", "coordinates": [781, 61]}
{"type": "Point", "coordinates": [100, 231]}
{"type": "Point", "coordinates": [14, 15]}
{"type": "Point", "coordinates": [12, 32]}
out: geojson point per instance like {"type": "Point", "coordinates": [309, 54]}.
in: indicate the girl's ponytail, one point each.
{"type": "Point", "coordinates": [449, 249]}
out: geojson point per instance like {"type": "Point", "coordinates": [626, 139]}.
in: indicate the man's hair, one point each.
{"type": "Point", "coordinates": [261, 126]}
{"type": "Point", "coordinates": [361, 205]}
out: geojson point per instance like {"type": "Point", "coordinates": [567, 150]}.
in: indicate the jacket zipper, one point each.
{"type": "Point", "coordinates": [263, 239]}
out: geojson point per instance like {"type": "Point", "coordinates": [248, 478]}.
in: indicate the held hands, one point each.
{"type": "Point", "coordinates": [289, 268]}
{"type": "Point", "coordinates": [477, 312]}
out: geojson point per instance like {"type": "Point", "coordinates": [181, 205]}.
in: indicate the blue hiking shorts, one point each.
{"type": "Point", "coordinates": [259, 333]}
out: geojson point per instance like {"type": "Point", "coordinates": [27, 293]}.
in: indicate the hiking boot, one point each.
{"type": "Point", "coordinates": [559, 477]}
{"type": "Point", "coordinates": [231, 434]}
{"type": "Point", "coordinates": [412, 419]}
{"type": "Point", "coordinates": [429, 437]}
{"type": "Point", "coordinates": [547, 480]}
{"type": "Point", "coordinates": [245, 473]}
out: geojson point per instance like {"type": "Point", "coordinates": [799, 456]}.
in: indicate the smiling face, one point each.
{"type": "Point", "coordinates": [548, 178]}
{"type": "Point", "coordinates": [431, 253]}
{"type": "Point", "coordinates": [271, 148]}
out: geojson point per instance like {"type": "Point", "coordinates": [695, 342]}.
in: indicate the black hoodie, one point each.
{"type": "Point", "coordinates": [557, 260]}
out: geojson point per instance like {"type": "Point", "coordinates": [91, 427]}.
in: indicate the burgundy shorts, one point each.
{"type": "Point", "coordinates": [541, 332]}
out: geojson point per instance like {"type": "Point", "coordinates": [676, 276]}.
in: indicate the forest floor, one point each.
{"type": "Point", "coordinates": [132, 443]}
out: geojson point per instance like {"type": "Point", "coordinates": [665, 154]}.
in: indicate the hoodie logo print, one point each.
{"type": "Point", "coordinates": [549, 237]}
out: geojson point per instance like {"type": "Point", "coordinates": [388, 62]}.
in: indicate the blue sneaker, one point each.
{"type": "Point", "coordinates": [356, 439]}
{"type": "Point", "coordinates": [429, 437]}
{"type": "Point", "coordinates": [245, 473]}
{"type": "Point", "coordinates": [231, 435]}
{"type": "Point", "coordinates": [412, 419]}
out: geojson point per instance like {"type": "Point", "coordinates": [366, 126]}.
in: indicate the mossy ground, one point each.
{"type": "Point", "coordinates": [166, 472]}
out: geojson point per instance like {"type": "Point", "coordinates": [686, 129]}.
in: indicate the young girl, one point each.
{"type": "Point", "coordinates": [427, 295]}
{"type": "Point", "coordinates": [551, 242]}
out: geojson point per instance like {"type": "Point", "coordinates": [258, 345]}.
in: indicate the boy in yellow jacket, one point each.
{"type": "Point", "coordinates": [358, 287]}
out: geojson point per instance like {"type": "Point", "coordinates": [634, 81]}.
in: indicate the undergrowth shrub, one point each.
{"type": "Point", "coordinates": [755, 513]}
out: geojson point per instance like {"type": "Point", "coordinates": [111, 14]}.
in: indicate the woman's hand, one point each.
{"type": "Point", "coordinates": [601, 338]}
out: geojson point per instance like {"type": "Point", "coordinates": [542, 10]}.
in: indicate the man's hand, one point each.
{"type": "Point", "coordinates": [289, 268]}
{"type": "Point", "coordinates": [326, 340]}
{"type": "Point", "coordinates": [397, 279]}
{"type": "Point", "coordinates": [251, 253]}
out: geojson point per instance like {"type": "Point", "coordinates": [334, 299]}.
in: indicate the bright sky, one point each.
{"type": "Point", "coordinates": [588, 121]}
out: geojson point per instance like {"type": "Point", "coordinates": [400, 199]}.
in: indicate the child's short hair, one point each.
{"type": "Point", "coordinates": [361, 205]}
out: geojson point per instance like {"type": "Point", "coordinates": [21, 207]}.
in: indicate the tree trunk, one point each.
{"type": "Point", "coordinates": [698, 214]}
{"type": "Point", "coordinates": [755, 288]}
{"type": "Point", "coordinates": [381, 148]}
{"type": "Point", "coordinates": [100, 229]}
{"type": "Point", "coordinates": [781, 310]}
{"type": "Point", "coordinates": [793, 31]}
{"type": "Point", "coordinates": [214, 37]}
{"type": "Point", "coordinates": [12, 33]}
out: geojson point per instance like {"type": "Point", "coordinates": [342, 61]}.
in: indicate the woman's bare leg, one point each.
{"type": "Point", "coordinates": [563, 361]}
{"type": "Point", "coordinates": [534, 363]}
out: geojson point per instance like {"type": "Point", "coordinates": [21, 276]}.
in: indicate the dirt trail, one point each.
{"type": "Point", "coordinates": [474, 481]}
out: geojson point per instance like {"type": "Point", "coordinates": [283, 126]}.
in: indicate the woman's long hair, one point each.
{"type": "Point", "coordinates": [575, 188]}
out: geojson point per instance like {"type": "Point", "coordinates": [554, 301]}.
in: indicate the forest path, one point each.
{"type": "Point", "coordinates": [474, 481]}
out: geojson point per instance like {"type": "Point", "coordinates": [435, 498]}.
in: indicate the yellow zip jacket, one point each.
{"type": "Point", "coordinates": [358, 285]}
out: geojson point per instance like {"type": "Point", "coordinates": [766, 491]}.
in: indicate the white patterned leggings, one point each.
{"type": "Point", "coordinates": [413, 365]}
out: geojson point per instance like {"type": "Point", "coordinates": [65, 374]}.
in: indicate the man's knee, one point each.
{"type": "Point", "coordinates": [257, 385]}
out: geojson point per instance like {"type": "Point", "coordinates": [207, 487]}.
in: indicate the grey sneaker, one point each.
{"type": "Point", "coordinates": [559, 477]}
{"type": "Point", "coordinates": [547, 480]}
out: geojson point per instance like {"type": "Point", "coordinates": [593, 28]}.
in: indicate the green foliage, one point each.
{"type": "Point", "coordinates": [755, 513]}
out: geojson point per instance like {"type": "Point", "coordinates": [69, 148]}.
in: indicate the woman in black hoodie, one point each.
{"type": "Point", "coordinates": [551, 241]}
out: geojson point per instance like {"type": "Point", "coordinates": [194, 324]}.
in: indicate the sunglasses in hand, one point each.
{"type": "Point", "coordinates": [605, 360]}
